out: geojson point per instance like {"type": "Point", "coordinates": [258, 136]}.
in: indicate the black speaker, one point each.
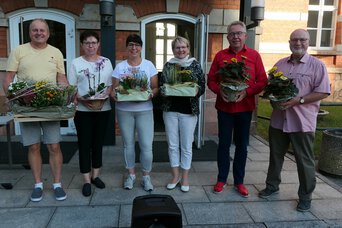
{"type": "Point", "coordinates": [155, 211]}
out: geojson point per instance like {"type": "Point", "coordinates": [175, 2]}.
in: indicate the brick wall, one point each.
{"type": "Point", "coordinates": [214, 45]}
{"type": "Point", "coordinates": [3, 42]}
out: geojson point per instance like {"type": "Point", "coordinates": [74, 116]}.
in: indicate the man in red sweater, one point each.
{"type": "Point", "coordinates": [234, 118]}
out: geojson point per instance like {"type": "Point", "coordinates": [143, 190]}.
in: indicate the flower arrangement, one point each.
{"type": "Point", "coordinates": [234, 72]}
{"type": "Point", "coordinates": [38, 96]}
{"type": "Point", "coordinates": [179, 82]}
{"type": "Point", "coordinates": [234, 76]}
{"type": "Point", "coordinates": [133, 88]}
{"type": "Point", "coordinates": [279, 88]}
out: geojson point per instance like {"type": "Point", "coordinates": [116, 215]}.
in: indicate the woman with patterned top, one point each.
{"type": "Point", "coordinates": [180, 114]}
{"type": "Point", "coordinates": [91, 74]}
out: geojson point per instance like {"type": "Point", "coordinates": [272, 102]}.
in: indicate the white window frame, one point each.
{"type": "Point", "coordinates": [321, 8]}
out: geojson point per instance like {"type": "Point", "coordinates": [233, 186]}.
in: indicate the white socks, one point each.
{"type": "Point", "coordinates": [39, 185]}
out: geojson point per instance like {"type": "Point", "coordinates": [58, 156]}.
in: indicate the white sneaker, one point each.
{"type": "Point", "coordinates": [146, 183]}
{"type": "Point", "coordinates": [129, 182]}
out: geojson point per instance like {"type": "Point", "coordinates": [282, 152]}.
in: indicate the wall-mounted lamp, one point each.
{"type": "Point", "coordinates": [107, 12]}
{"type": "Point", "coordinates": [257, 8]}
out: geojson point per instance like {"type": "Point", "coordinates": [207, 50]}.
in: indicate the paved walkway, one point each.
{"type": "Point", "coordinates": [112, 206]}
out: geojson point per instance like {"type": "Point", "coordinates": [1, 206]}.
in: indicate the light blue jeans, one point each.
{"type": "Point", "coordinates": [179, 129]}
{"type": "Point", "coordinates": [142, 123]}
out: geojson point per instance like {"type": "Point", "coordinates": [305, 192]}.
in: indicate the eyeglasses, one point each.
{"type": "Point", "coordinates": [131, 45]}
{"type": "Point", "coordinates": [90, 43]}
{"type": "Point", "coordinates": [181, 47]}
{"type": "Point", "coordinates": [295, 40]}
{"type": "Point", "coordinates": [233, 34]}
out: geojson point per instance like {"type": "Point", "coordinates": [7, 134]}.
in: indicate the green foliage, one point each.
{"type": "Point", "coordinates": [234, 72]}
{"type": "Point", "coordinates": [332, 120]}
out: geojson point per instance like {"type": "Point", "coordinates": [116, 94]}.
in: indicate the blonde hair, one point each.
{"type": "Point", "coordinates": [180, 39]}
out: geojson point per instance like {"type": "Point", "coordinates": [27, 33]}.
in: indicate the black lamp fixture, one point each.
{"type": "Point", "coordinates": [257, 9]}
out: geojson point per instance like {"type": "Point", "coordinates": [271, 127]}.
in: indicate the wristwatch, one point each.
{"type": "Point", "coordinates": [301, 100]}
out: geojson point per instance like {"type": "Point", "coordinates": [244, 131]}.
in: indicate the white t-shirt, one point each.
{"type": "Point", "coordinates": [123, 69]}
{"type": "Point", "coordinates": [99, 73]}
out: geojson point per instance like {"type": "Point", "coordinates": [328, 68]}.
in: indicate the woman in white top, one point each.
{"type": "Point", "coordinates": [91, 73]}
{"type": "Point", "coordinates": [136, 116]}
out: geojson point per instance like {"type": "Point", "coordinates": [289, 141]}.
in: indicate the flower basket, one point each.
{"type": "Point", "coordinates": [45, 113]}
{"type": "Point", "coordinates": [133, 95]}
{"type": "Point", "coordinates": [42, 100]}
{"type": "Point", "coordinates": [187, 89]}
{"type": "Point", "coordinates": [231, 90]}
{"type": "Point", "coordinates": [97, 103]}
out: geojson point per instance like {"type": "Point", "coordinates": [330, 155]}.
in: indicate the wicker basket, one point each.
{"type": "Point", "coordinates": [97, 104]}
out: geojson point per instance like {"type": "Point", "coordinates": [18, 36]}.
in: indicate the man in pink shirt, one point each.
{"type": "Point", "coordinates": [296, 124]}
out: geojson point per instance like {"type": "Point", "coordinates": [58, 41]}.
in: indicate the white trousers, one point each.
{"type": "Point", "coordinates": [180, 130]}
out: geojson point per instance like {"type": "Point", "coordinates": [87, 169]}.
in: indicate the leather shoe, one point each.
{"type": "Point", "coordinates": [171, 185]}
{"type": "Point", "coordinates": [86, 190]}
{"type": "Point", "coordinates": [98, 182]}
{"type": "Point", "coordinates": [185, 188]}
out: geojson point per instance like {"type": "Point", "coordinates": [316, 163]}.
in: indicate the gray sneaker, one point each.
{"type": "Point", "coordinates": [129, 182]}
{"type": "Point", "coordinates": [37, 195]}
{"type": "Point", "coordinates": [60, 194]}
{"type": "Point", "coordinates": [267, 193]}
{"type": "Point", "coordinates": [304, 205]}
{"type": "Point", "coordinates": [146, 183]}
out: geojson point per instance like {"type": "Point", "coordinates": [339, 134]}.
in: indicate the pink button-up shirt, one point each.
{"type": "Point", "coordinates": [309, 75]}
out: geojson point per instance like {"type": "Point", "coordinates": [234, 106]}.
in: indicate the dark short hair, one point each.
{"type": "Point", "coordinates": [135, 38]}
{"type": "Point", "coordinates": [88, 33]}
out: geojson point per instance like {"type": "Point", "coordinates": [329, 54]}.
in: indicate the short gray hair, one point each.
{"type": "Point", "coordinates": [237, 23]}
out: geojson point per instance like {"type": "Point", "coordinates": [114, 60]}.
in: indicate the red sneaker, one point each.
{"type": "Point", "coordinates": [219, 186]}
{"type": "Point", "coordinates": [242, 190]}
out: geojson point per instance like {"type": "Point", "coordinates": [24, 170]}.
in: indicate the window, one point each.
{"type": "Point", "coordinates": [321, 23]}
{"type": "Point", "coordinates": [165, 33]}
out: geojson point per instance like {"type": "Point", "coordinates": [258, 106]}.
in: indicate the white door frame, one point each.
{"type": "Point", "coordinates": [68, 21]}
{"type": "Point", "coordinates": [201, 56]}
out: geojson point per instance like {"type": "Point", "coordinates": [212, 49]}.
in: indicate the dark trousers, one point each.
{"type": "Point", "coordinates": [229, 124]}
{"type": "Point", "coordinates": [302, 144]}
{"type": "Point", "coordinates": [91, 129]}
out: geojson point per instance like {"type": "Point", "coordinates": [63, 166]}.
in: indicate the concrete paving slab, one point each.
{"type": "Point", "coordinates": [229, 194]}
{"type": "Point", "coordinates": [325, 191]}
{"type": "Point", "coordinates": [74, 198]}
{"type": "Point", "coordinates": [196, 194]}
{"type": "Point", "coordinates": [86, 217]}
{"type": "Point", "coordinates": [26, 217]}
{"type": "Point", "coordinates": [334, 223]}
{"type": "Point", "coordinates": [300, 224]}
{"type": "Point", "coordinates": [14, 198]}
{"type": "Point", "coordinates": [276, 211]}
{"type": "Point", "coordinates": [216, 213]}
{"type": "Point", "coordinates": [205, 166]}
{"type": "Point", "coordinates": [327, 208]}
{"type": "Point", "coordinates": [116, 196]}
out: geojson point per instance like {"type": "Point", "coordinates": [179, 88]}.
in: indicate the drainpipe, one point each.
{"type": "Point", "coordinates": [251, 13]}
{"type": "Point", "coordinates": [107, 13]}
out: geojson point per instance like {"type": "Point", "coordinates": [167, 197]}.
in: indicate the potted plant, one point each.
{"type": "Point", "coordinates": [234, 76]}
{"type": "Point", "coordinates": [279, 88]}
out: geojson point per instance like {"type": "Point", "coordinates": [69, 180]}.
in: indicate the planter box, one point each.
{"type": "Point", "coordinates": [180, 90]}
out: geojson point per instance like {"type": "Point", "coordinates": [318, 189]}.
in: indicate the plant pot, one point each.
{"type": "Point", "coordinates": [231, 90]}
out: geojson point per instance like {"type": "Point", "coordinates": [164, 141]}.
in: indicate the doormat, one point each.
{"type": "Point", "coordinates": [19, 152]}
{"type": "Point", "coordinates": [208, 152]}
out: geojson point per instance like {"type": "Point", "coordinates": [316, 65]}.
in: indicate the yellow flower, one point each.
{"type": "Point", "coordinates": [283, 78]}
{"type": "Point", "coordinates": [272, 70]}
{"type": "Point", "coordinates": [234, 60]}
{"type": "Point", "coordinates": [225, 61]}
{"type": "Point", "coordinates": [278, 74]}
